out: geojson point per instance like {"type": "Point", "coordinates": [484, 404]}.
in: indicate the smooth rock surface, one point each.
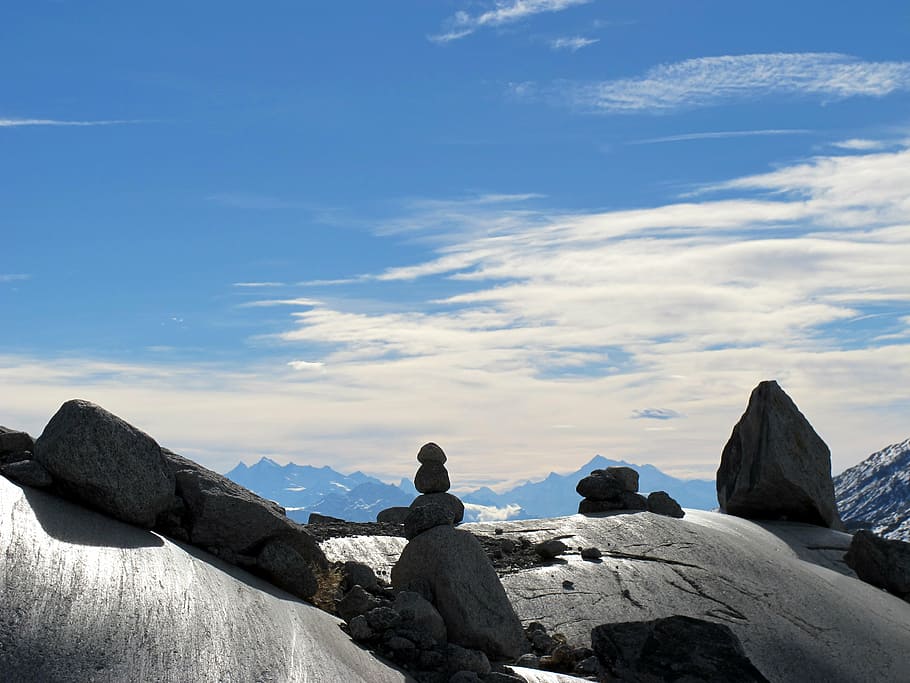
{"type": "Point", "coordinates": [783, 589]}
{"type": "Point", "coordinates": [87, 598]}
{"type": "Point", "coordinates": [775, 466]}
{"type": "Point", "coordinates": [393, 515]}
{"type": "Point", "coordinates": [106, 463]}
{"type": "Point", "coordinates": [465, 589]}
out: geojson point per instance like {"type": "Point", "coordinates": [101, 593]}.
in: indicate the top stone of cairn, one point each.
{"type": "Point", "coordinates": [431, 453]}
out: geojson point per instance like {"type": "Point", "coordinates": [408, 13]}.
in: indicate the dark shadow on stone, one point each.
{"type": "Point", "coordinates": [68, 522]}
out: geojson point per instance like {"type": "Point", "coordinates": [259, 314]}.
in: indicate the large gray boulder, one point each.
{"type": "Point", "coordinates": [99, 460]}
{"type": "Point", "coordinates": [882, 562]}
{"type": "Point", "coordinates": [465, 590]}
{"type": "Point", "coordinates": [675, 648]}
{"type": "Point", "coordinates": [775, 466]}
{"type": "Point", "coordinates": [444, 500]}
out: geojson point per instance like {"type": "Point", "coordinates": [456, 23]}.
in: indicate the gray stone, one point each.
{"type": "Point", "coordinates": [359, 574]}
{"type": "Point", "coordinates": [626, 476]}
{"type": "Point", "coordinates": [775, 466]}
{"type": "Point", "coordinates": [633, 501]}
{"type": "Point", "coordinates": [356, 602]}
{"type": "Point", "coordinates": [316, 518]}
{"type": "Point", "coordinates": [600, 486]}
{"type": "Point", "coordinates": [660, 503]}
{"type": "Point", "coordinates": [432, 477]}
{"type": "Point", "coordinates": [14, 441]}
{"type": "Point", "coordinates": [587, 507]}
{"type": "Point", "coordinates": [383, 618]}
{"type": "Point", "coordinates": [418, 613]}
{"type": "Point", "coordinates": [446, 500]}
{"type": "Point", "coordinates": [27, 473]}
{"type": "Point", "coordinates": [882, 562]}
{"type": "Point", "coordinates": [550, 549]}
{"type": "Point", "coordinates": [692, 649]}
{"type": "Point", "coordinates": [588, 666]}
{"type": "Point", "coordinates": [466, 590]}
{"type": "Point", "coordinates": [393, 515]}
{"type": "Point", "coordinates": [286, 561]}
{"type": "Point", "coordinates": [591, 553]}
{"type": "Point", "coordinates": [360, 630]}
{"type": "Point", "coordinates": [466, 659]}
{"type": "Point", "coordinates": [403, 649]}
{"type": "Point", "coordinates": [101, 461]}
{"type": "Point", "coordinates": [426, 517]}
{"type": "Point", "coordinates": [430, 452]}
{"type": "Point", "coordinates": [502, 677]}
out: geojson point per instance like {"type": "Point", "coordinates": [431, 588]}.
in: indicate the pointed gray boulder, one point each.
{"type": "Point", "coordinates": [775, 466]}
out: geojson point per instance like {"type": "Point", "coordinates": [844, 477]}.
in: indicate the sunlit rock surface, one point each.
{"type": "Point", "coordinates": [87, 598]}
{"type": "Point", "coordinates": [782, 587]}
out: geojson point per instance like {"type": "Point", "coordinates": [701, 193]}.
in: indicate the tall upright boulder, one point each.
{"type": "Point", "coordinates": [775, 466]}
{"type": "Point", "coordinates": [102, 461]}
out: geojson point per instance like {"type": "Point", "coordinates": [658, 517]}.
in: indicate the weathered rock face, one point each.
{"type": "Point", "coordinates": [101, 461]}
{"type": "Point", "coordinates": [13, 441]}
{"type": "Point", "coordinates": [393, 515]}
{"type": "Point", "coordinates": [430, 452]}
{"type": "Point", "coordinates": [444, 500]}
{"type": "Point", "coordinates": [882, 562]}
{"type": "Point", "coordinates": [465, 590]}
{"type": "Point", "coordinates": [426, 517]}
{"type": "Point", "coordinates": [432, 477]}
{"type": "Point", "coordinates": [676, 648]}
{"type": "Point", "coordinates": [27, 473]}
{"type": "Point", "coordinates": [775, 466]}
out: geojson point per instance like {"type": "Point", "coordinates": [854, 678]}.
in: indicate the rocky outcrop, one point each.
{"type": "Point", "coordinates": [15, 445]}
{"type": "Point", "coordinates": [882, 562]}
{"type": "Point", "coordinates": [775, 466]}
{"type": "Point", "coordinates": [393, 515]}
{"type": "Point", "coordinates": [450, 568]}
{"type": "Point", "coordinates": [101, 461]}
{"type": "Point", "coordinates": [660, 503]}
{"type": "Point", "coordinates": [682, 647]}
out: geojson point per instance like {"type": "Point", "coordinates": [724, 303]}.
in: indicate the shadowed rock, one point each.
{"type": "Point", "coordinates": [600, 486]}
{"type": "Point", "coordinates": [676, 648]}
{"type": "Point", "coordinates": [660, 503]}
{"type": "Point", "coordinates": [98, 459]}
{"type": "Point", "coordinates": [881, 562]}
{"type": "Point", "coordinates": [432, 477]}
{"type": "Point", "coordinates": [465, 589]}
{"type": "Point", "coordinates": [426, 517]}
{"type": "Point", "coordinates": [430, 452]}
{"type": "Point", "coordinates": [27, 473]}
{"type": "Point", "coordinates": [14, 441]}
{"type": "Point", "coordinates": [775, 466]}
{"type": "Point", "coordinates": [393, 515]}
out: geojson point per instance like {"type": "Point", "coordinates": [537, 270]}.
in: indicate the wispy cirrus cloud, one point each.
{"type": "Point", "coordinates": [720, 135]}
{"type": "Point", "coordinates": [463, 24]}
{"type": "Point", "coordinates": [711, 81]}
{"type": "Point", "coordinates": [573, 43]}
{"type": "Point", "coordinates": [16, 123]}
{"type": "Point", "coordinates": [655, 414]}
{"type": "Point", "coordinates": [13, 277]}
{"type": "Point", "coordinates": [860, 144]}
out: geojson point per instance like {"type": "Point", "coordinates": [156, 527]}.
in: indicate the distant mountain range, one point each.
{"type": "Point", "coordinates": [358, 497]}
{"type": "Point", "coordinates": [875, 494]}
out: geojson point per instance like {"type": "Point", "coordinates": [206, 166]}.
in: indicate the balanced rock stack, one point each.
{"type": "Point", "coordinates": [616, 489]}
{"type": "Point", "coordinates": [435, 506]}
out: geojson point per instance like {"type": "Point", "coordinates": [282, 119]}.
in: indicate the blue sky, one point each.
{"type": "Point", "coordinates": [532, 230]}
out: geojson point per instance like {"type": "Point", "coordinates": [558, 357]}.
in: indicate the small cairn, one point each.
{"type": "Point", "coordinates": [615, 489]}
{"type": "Point", "coordinates": [432, 481]}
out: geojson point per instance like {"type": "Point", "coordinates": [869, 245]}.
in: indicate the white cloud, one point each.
{"type": "Point", "coordinates": [489, 513]}
{"type": "Point", "coordinates": [463, 24]}
{"type": "Point", "coordinates": [297, 301]}
{"type": "Point", "coordinates": [13, 277]}
{"type": "Point", "coordinates": [16, 123]}
{"type": "Point", "coordinates": [557, 320]}
{"type": "Point", "coordinates": [721, 135]}
{"type": "Point", "coordinates": [859, 144]}
{"type": "Point", "coordinates": [709, 81]}
{"type": "Point", "coordinates": [258, 284]}
{"type": "Point", "coordinates": [573, 44]}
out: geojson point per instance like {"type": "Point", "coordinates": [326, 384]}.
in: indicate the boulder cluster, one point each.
{"type": "Point", "coordinates": [95, 458]}
{"type": "Point", "coordinates": [615, 489]}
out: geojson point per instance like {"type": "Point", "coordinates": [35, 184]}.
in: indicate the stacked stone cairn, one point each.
{"type": "Point", "coordinates": [615, 489]}
{"type": "Point", "coordinates": [446, 616]}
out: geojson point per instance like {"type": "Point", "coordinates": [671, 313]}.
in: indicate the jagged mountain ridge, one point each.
{"type": "Point", "coordinates": [358, 497]}
{"type": "Point", "coordinates": [875, 494]}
